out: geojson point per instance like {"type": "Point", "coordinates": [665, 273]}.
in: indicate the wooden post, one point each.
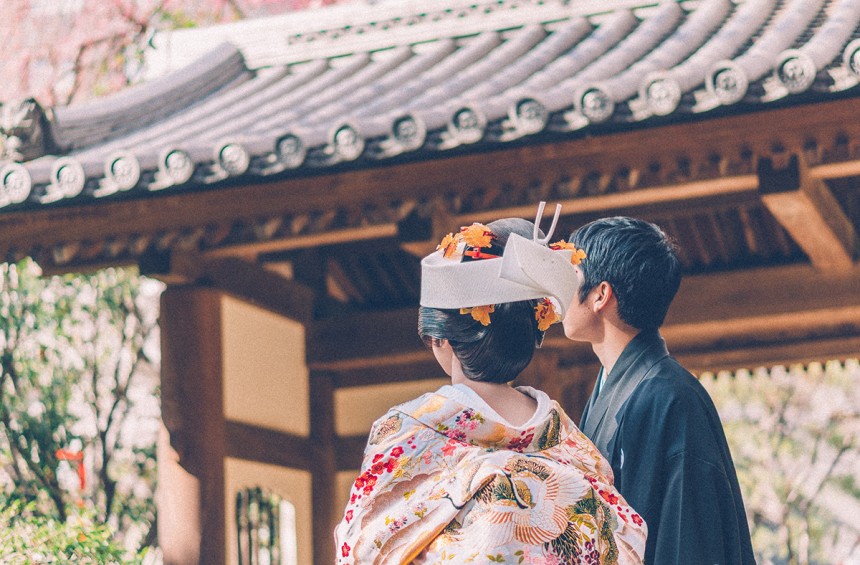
{"type": "Point", "coordinates": [324, 467]}
{"type": "Point", "coordinates": [191, 462]}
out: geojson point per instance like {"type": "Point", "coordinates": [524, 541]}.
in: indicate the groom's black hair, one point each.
{"type": "Point", "coordinates": [639, 262]}
{"type": "Point", "coordinates": [499, 352]}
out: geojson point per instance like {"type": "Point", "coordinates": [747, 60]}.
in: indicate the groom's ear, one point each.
{"type": "Point", "coordinates": [602, 297]}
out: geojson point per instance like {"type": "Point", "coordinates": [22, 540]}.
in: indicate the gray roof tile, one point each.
{"type": "Point", "coordinates": [451, 83]}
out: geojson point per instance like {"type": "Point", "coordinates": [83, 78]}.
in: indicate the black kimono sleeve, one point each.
{"type": "Point", "coordinates": [672, 464]}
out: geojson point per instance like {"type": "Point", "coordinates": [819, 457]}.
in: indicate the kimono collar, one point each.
{"type": "Point", "coordinates": [465, 424]}
{"type": "Point", "coordinates": [631, 368]}
{"type": "Point", "coordinates": [644, 341]}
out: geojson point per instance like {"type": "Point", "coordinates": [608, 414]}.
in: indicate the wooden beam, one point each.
{"type": "Point", "coordinates": [363, 335]}
{"type": "Point", "coordinates": [783, 328]}
{"type": "Point", "coordinates": [253, 443]}
{"type": "Point", "coordinates": [350, 452]}
{"type": "Point", "coordinates": [793, 314]}
{"type": "Point", "coordinates": [809, 212]}
{"type": "Point", "coordinates": [725, 315]}
{"type": "Point", "coordinates": [737, 188]}
{"type": "Point", "coordinates": [762, 293]}
{"type": "Point", "coordinates": [310, 241]}
{"type": "Point", "coordinates": [838, 170]}
{"type": "Point", "coordinates": [409, 368]}
{"type": "Point", "coordinates": [247, 280]}
{"type": "Point", "coordinates": [769, 355]}
{"type": "Point", "coordinates": [385, 357]}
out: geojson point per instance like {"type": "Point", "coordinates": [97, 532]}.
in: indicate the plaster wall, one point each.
{"type": "Point", "coordinates": [265, 376]}
{"type": "Point", "coordinates": [356, 408]}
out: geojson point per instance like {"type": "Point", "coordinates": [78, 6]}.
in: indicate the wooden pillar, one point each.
{"type": "Point", "coordinates": [191, 463]}
{"type": "Point", "coordinates": [324, 467]}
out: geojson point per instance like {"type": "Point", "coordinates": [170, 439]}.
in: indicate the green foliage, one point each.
{"type": "Point", "coordinates": [176, 19]}
{"type": "Point", "coordinates": [795, 438]}
{"type": "Point", "coordinates": [78, 372]}
{"type": "Point", "coordinates": [27, 537]}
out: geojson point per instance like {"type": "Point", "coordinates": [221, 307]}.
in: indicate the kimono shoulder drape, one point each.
{"type": "Point", "coordinates": [442, 482]}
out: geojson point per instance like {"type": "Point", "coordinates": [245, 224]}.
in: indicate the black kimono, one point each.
{"type": "Point", "coordinates": [662, 435]}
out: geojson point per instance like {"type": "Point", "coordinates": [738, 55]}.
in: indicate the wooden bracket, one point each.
{"type": "Point", "coordinates": [808, 211]}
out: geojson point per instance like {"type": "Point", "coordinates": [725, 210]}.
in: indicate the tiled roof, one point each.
{"type": "Point", "coordinates": [407, 80]}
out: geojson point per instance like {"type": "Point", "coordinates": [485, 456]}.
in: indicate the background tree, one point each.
{"type": "Point", "coordinates": [795, 437]}
{"type": "Point", "coordinates": [78, 354]}
{"type": "Point", "coordinates": [65, 51]}
{"type": "Point", "coordinates": [78, 390]}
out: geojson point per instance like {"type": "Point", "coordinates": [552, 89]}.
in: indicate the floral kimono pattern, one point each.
{"type": "Point", "coordinates": [442, 483]}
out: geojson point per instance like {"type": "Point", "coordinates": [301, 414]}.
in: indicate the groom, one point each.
{"type": "Point", "coordinates": [648, 415]}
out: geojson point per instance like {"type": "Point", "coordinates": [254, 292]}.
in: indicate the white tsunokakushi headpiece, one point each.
{"type": "Point", "coordinates": [528, 269]}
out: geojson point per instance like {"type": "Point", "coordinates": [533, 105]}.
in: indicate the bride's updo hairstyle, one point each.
{"type": "Point", "coordinates": [499, 351]}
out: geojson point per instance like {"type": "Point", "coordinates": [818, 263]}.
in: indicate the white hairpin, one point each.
{"type": "Point", "coordinates": [545, 240]}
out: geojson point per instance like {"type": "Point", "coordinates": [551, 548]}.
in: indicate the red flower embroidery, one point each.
{"type": "Point", "coordinates": [391, 464]}
{"type": "Point", "coordinates": [369, 483]}
{"type": "Point", "coordinates": [377, 457]}
{"type": "Point", "coordinates": [609, 497]}
{"type": "Point", "coordinates": [448, 448]}
{"type": "Point", "coordinates": [348, 517]}
{"type": "Point", "coordinates": [520, 443]}
{"type": "Point", "coordinates": [397, 451]}
{"type": "Point", "coordinates": [637, 519]}
{"type": "Point", "coordinates": [344, 550]}
{"type": "Point", "coordinates": [365, 482]}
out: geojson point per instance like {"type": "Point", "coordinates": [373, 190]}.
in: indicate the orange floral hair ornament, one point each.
{"type": "Point", "coordinates": [480, 313]}
{"type": "Point", "coordinates": [477, 235]}
{"type": "Point", "coordinates": [449, 244]}
{"type": "Point", "coordinates": [545, 314]}
{"type": "Point", "coordinates": [578, 254]}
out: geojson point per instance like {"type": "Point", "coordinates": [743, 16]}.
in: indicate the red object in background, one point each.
{"type": "Point", "coordinates": [78, 458]}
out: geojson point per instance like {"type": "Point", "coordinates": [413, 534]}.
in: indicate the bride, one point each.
{"type": "Point", "coordinates": [480, 471]}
